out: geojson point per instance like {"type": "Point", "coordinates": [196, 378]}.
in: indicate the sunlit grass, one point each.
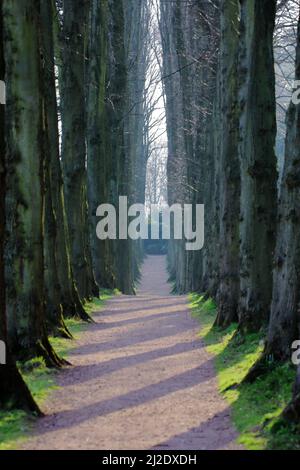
{"type": "Point", "coordinates": [255, 407]}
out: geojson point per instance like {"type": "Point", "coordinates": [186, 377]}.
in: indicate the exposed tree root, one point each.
{"type": "Point", "coordinates": [260, 368]}
{"type": "Point", "coordinates": [292, 411]}
{"type": "Point", "coordinates": [64, 333]}
{"type": "Point", "coordinates": [14, 391]}
{"type": "Point", "coordinates": [224, 320]}
{"type": "Point", "coordinates": [52, 360]}
{"type": "Point", "coordinates": [79, 308]}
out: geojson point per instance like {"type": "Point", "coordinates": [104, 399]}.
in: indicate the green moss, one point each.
{"type": "Point", "coordinates": [97, 304]}
{"type": "Point", "coordinates": [15, 425]}
{"type": "Point", "coordinates": [255, 407]}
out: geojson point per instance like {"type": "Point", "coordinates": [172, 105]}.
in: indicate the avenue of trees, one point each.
{"type": "Point", "coordinates": [220, 87]}
{"type": "Point", "coordinates": [77, 131]}
{"type": "Point", "coordinates": [72, 137]}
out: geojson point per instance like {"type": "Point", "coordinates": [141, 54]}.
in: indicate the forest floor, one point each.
{"type": "Point", "coordinates": [141, 379]}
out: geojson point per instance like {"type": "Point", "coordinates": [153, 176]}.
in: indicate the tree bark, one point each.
{"type": "Point", "coordinates": [61, 283]}
{"type": "Point", "coordinates": [97, 140]}
{"type": "Point", "coordinates": [228, 292]}
{"type": "Point", "coordinates": [258, 161]}
{"type": "Point", "coordinates": [74, 143]}
{"type": "Point", "coordinates": [14, 392]}
{"type": "Point", "coordinates": [285, 308]}
{"type": "Point", "coordinates": [189, 69]}
{"type": "Point", "coordinates": [25, 182]}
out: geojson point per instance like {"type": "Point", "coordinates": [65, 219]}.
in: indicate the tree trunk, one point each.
{"type": "Point", "coordinates": [285, 309]}
{"type": "Point", "coordinates": [96, 138]}
{"type": "Point", "coordinates": [60, 283]}
{"type": "Point", "coordinates": [74, 143]}
{"type": "Point", "coordinates": [118, 165]}
{"type": "Point", "coordinates": [25, 182]}
{"type": "Point", "coordinates": [189, 44]}
{"type": "Point", "coordinates": [292, 411]}
{"type": "Point", "coordinates": [14, 392]}
{"type": "Point", "coordinates": [54, 308]}
{"type": "Point", "coordinates": [228, 292]}
{"type": "Point", "coordinates": [258, 161]}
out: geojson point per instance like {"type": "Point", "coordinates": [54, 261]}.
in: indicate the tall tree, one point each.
{"type": "Point", "coordinates": [13, 390]}
{"type": "Point", "coordinates": [97, 138]}
{"type": "Point", "coordinates": [189, 43]}
{"type": "Point", "coordinates": [25, 182]}
{"type": "Point", "coordinates": [54, 308]}
{"type": "Point", "coordinates": [136, 55]}
{"type": "Point", "coordinates": [62, 295]}
{"type": "Point", "coordinates": [117, 161]}
{"type": "Point", "coordinates": [228, 292]}
{"type": "Point", "coordinates": [258, 161]}
{"type": "Point", "coordinates": [284, 321]}
{"type": "Point", "coordinates": [73, 110]}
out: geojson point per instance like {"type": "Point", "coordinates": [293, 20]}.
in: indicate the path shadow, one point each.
{"type": "Point", "coordinates": [80, 374]}
{"type": "Point", "coordinates": [136, 336]}
{"type": "Point", "coordinates": [116, 310]}
{"type": "Point", "coordinates": [149, 298]}
{"type": "Point", "coordinates": [141, 319]}
{"type": "Point", "coordinates": [72, 418]}
{"type": "Point", "coordinates": [213, 434]}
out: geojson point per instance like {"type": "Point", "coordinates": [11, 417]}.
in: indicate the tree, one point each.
{"type": "Point", "coordinates": [25, 183]}
{"type": "Point", "coordinates": [189, 42]}
{"type": "Point", "coordinates": [13, 390]}
{"type": "Point", "coordinates": [53, 295]}
{"type": "Point", "coordinates": [284, 321]}
{"type": "Point", "coordinates": [62, 294]}
{"type": "Point", "coordinates": [228, 292]}
{"type": "Point", "coordinates": [258, 161]}
{"type": "Point", "coordinates": [73, 111]}
{"type": "Point", "coordinates": [97, 138]}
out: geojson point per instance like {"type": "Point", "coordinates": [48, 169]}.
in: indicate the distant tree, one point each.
{"type": "Point", "coordinates": [189, 38]}
{"type": "Point", "coordinates": [97, 145]}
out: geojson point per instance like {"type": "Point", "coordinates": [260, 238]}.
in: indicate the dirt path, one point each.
{"type": "Point", "coordinates": [141, 379]}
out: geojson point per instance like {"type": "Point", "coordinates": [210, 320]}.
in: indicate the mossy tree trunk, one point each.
{"type": "Point", "coordinates": [25, 182]}
{"type": "Point", "coordinates": [285, 308]}
{"type": "Point", "coordinates": [97, 149]}
{"type": "Point", "coordinates": [228, 291]}
{"type": "Point", "coordinates": [70, 300]}
{"type": "Point", "coordinates": [258, 161]}
{"type": "Point", "coordinates": [136, 55]}
{"type": "Point", "coordinates": [61, 296]}
{"type": "Point", "coordinates": [117, 162]}
{"type": "Point", "coordinates": [74, 143]}
{"type": "Point", "coordinates": [13, 390]}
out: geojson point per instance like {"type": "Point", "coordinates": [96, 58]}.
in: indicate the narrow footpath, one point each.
{"type": "Point", "coordinates": [141, 379]}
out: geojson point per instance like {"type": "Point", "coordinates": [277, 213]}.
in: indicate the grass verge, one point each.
{"type": "Point", "coordinates": [255, 407]}
{"type": "Point", "coordinates": [15, 424]}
